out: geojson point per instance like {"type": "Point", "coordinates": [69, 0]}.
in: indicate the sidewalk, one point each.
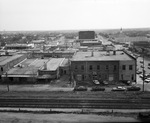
{"type": "Point", "coordinates": [37, 87]}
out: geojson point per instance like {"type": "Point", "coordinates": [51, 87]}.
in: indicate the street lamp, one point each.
{"type": "Point", "coordinates": [143, 69]}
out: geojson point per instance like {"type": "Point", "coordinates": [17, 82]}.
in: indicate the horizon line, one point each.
{"type": "Point", "coordinates": [74, 29]}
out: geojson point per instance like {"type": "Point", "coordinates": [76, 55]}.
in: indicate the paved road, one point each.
{"type": "Point", "coordinates": [139, 80]}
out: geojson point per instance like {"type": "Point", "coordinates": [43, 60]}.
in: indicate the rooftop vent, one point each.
{"type": "Point", "coordinates": [114, 52]}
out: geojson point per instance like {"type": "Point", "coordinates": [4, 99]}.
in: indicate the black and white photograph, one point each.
{"type": "Point", "coordinates": [74, 61]}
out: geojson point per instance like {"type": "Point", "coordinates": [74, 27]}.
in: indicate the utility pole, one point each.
{"type": "Point", "coordinates": [7, 81]}
{"type": "Point", "coordinates": [143, 69]}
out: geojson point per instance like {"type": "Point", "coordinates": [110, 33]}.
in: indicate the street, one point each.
{"type": "Point", "coordinates": [147, 71]}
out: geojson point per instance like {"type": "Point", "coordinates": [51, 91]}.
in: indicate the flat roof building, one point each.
{"type": "Point", "coordinates": [7, 62]}
{"type": "Point", "coordinates": [112, 66]}
{"type": "Point", "coordinates": [17, 46]}
{"type": "Point", "coordinates": [86, 35]}
{"type": "Point", "coordinates": [34, 70]}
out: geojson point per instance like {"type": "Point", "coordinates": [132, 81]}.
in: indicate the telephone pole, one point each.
{"type": "Point", "coordinates": [7, 81]}
{"type": "Point", "coordinates": [143, 69]}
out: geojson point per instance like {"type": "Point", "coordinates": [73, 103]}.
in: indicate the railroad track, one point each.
{"type": "Point", "coordinates": [77, 103]}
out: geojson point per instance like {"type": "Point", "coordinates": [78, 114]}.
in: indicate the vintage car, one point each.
{"type": "Point", "coordinates": [96, 82]}
{"type": "Point", "coordinates": [97, 88]}
{"type": "Point", "coordinates": [133, 88]}
{"type": "Point", "coordinates": [80, 88]}
{"type": "Point", "coordinates": [119, 88]}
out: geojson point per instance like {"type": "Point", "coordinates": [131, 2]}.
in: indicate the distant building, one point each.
{"type": "Point", "coordinates": [112, 66]}
{"type": "Point", "coordinates": [38, 43]}
{"type": "Point", "coordinates": [91, 43]}
{"type": "Point", "coordinates": [86, 35]}
{"type": "Point", "coordinates": [54, 54]}
{"type": "Point", "coordinates": [17, 47]}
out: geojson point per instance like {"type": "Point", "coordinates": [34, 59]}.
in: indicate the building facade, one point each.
{"type": "Point", "coordinates": [86, 35]}
{"type": "Point", "coordinates": [104, 66]}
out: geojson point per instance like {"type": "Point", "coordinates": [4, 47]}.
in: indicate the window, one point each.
{"type": "Point", "coordinates": [99, 75]}
{"type": "Point", "coordinates": [106, 67]}
{"type": "Point", "coordinates": [123, 67]}
{"type": "Point", "coordinates": [90, 67]}
{"type": "Point", "coordinates": [82, 67]}
{"type": "Point", "coordinates": [76, 67]}
{"type": "Point", "coordinates": [2, 69]}
{"type": "Point", "coordinates": [105, 77]}
{"type": "Point", "coordinates": [132, 77]}
{"type": "Point", "coordinates": [130, 67]}
{"type": "Point", "coordinates": [121, 76]}
{"type": "Point", "coordinates": [115, 67]}
{"type": "Point", "coordinates": [98, 67]}
{"type": "Point", "coordinates": [82, 77]}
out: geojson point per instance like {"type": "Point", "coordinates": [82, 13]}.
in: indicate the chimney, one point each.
{"type": "Point", "coordinates": [114, 52]}
{"type": "Point", "coordinates": [92, 53]}
{"type": "Point", "coordinates": [45, 66]}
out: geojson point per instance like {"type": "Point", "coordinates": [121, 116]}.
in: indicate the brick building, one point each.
{"type": "Point", "coordinates": [86, 35]}
{"type": "Point", "coordinates": [104, 65]}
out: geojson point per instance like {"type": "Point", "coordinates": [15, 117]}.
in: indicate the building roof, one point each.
{"type": "Point", "coordinates": [5, 59]}
{"type": "Point", "coordinates": [38, 41]}
{"type": "Point", "coordinates": [17, 45]}
{"type": "Point", "coordinates": [91, 42]}
{"type": "Point", "coordinates": [29, 67]}
{"type": "Point", "coordinates": [65, 63]}
{"type": "Point", "coordinates": [132, 39]}
{"type": "Point", "coordinates": [54, 63]}
{"type": "Point", "coordinates": [2, 58]}
{"type": "Point", "coordinates": [101, 56]}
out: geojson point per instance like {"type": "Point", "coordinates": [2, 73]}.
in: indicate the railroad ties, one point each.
{"type": "Point", "coordinates": [77, 103]}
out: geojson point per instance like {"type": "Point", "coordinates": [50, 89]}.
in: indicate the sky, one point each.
{"type": "Point", "coordinates": [23, 15]}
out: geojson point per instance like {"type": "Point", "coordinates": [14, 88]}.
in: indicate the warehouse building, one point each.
{"type": "Point", "coordinates": [50, 69]}
{"type": "Point", "coordinates": [112, 66]}
{"type": "Point", "coordinates": [7, 62]}
{"type": "Point", "coordinates": [35, 70]}
{"type": "Point", "coordinates": [24, 72]}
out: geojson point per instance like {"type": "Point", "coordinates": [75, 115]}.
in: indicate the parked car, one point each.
{"type": "Point", "coordinates": [126, 82]}
{"type": "Point", "coordinates": [144, 116]}
{"type": "Point", "coordinates": [96, 82]}
{"type": "Point", "coordinates": [119, 88]}
{"type": "Point", "coordinates": [148, 64]}
{"type": "Point", "coordinates": [138, 72]}
{"type": "Point", "coordinates": [142, 66]}
{"type": "Point", "coordinates": [133, 88]}
{"type": "Point", "coordinates": [147, 80]}
{"type": "Point", "coordinates": [80, 88]}
{"type": "Point", "coordinates": [148, 67]}
{"type": "Point", "coordinates": [105, 82]}
{"type": "Point", "coordinates": [146, 76]}
{"type": "Point", "coordinates": [97, 88]}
